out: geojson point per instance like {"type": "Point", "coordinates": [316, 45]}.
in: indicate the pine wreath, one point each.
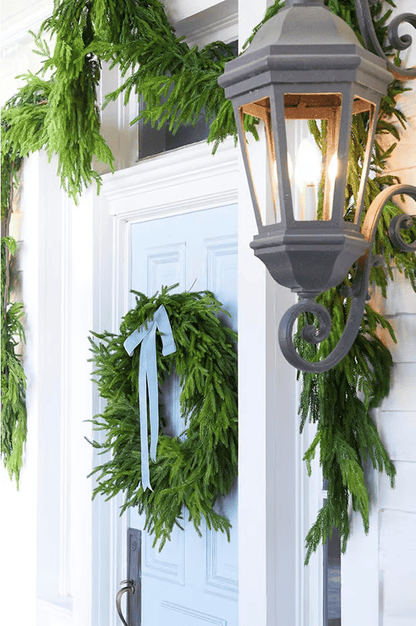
{"type": "Point", "coordinates": [191, 471]}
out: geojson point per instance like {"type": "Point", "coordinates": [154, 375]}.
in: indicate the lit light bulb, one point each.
{"type": "Point", "coordinates": [308, 164]}
{"type": "Point", "coordinates": [308, 169]}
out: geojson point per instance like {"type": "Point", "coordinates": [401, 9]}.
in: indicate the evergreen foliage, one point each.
{"type": "Point", "coordinates": [191, 470]}
{"type": "Point", "coordinates": [13, 426]}
{"type": "Point", "coordinates": [340, 401]}
{"type": "Point", "coordinates": [72, 121]}
{"type": "Point", "coordinates": [177, 83]}
{"type": "Point", "coordinates": [13, 422]}
{"type": "Point", "coordinates": [59, 114]}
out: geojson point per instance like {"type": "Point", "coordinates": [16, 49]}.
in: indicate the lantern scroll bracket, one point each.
{"type": "Point", "coordinates": [396, 41]}
{"type": "Point", "coordinates": [358, 291]}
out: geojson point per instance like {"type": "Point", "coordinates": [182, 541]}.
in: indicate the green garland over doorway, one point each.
{"type": "Point", "coordinates": [179, 84]}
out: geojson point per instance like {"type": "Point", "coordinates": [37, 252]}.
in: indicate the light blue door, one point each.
{"type": "Point", "coordinates": [193, 580]}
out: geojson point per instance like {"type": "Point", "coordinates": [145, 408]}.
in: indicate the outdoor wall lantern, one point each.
{"type": "Point", "coordinates": [303, 78]}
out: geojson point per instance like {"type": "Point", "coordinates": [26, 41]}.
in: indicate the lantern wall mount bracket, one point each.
{"type": "Point", "coordinates": [358, 291]}
{"type": "Point", "coordinates": [307, 64]}
{"type": "Point", "coordinates": [397, 42]}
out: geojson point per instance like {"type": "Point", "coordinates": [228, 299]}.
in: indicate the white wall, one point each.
{"type": "Point", "coordinates": [397, 422]}
{"type": "Point", "coordinates": [269, 486]}
{"type": "Point", "coordinates": [397, 418]}
{"type": "Point", "coordinates": [379, 570]}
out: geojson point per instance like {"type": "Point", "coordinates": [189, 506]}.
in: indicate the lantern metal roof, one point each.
{"type": "Point", "coordinates": [304, 43]}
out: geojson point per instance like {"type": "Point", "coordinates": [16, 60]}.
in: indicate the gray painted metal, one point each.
{"type": "Point", "coordinates": [358, 294]}
{"type": "Point", "coordinates": [397, 223]}
{"type": "Point", "coordinates": [276, 64]}
{"type": "Point", "coordinates": [396, 41]}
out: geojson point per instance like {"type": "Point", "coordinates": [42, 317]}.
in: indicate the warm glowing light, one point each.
{"type": "Point", "coordinates": [333, 169]}
{"type": "Point", "coordinates": [308, 164]}
{"type": "Point", "coordinates": [289, 166]}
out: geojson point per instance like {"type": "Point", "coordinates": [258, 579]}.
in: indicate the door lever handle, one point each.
{"type": "Point", "coordinates": [130, 587]}
{"type": "Point", "coordinates": [133, 585]}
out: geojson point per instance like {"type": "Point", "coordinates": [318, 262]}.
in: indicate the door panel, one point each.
{"type": "Point", "coordinates": [166, 265]}
{"type": "Point", "coordinates": [193, 580]}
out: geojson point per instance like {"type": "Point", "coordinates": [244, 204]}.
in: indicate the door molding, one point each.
{"type": "Point", "coordinates": [176, 182]}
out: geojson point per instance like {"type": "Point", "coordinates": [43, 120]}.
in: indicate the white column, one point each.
{"type": "Point", "coordinates": [268, 544]}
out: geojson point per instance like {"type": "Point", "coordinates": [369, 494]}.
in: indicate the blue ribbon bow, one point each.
{"type": "Point", "coordinates": [148, 376]}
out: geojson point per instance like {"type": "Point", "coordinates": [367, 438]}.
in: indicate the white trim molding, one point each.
{"type": "Point", "coordinates": [179, 181]}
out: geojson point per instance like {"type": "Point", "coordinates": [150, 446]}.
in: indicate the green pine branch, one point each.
{"type": "Point", "coordinates": [59, 114]}
{"type": "Point", "coordinates": [13, 424]}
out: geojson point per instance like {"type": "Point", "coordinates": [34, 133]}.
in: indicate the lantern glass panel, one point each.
{"type": "Point", "coordinates": [264, 176]}
{"type": "Point", "coordinates": [312, 127]}
{"type": "Point", "coordinates": [363, 121]}
{"type": "Point", "coordinates": [312, 131]}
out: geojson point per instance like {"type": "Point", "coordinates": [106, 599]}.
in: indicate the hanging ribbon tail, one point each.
{"type": "Point", "coordinates": [148, 383]}
{"type": "Point", "coordinates": [144, 451]}
{"type": "Point", "coordinates": [152, 387]}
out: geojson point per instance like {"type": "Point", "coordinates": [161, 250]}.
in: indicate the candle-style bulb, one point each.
{"type": "Point", "coordinates": [308, 164]}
